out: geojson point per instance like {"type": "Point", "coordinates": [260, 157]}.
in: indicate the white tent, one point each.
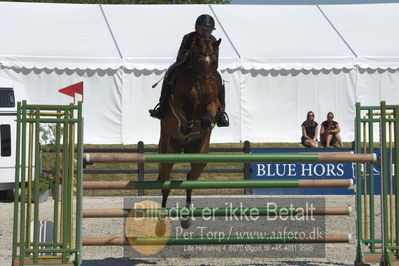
{"type": "Point", "coordinates": [56, 36]}
{"type": "Point", "coordinates": [288, 69]}
{"type": "Point", "coordinates": [49, 46]}
{"type": "Point", "coordinates": [278, 62]}
{"type": "Point", "coordinates": [371, 31]}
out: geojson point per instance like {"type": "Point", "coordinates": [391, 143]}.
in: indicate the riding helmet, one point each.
{"type": "Point", "coordinates": [205, 21]}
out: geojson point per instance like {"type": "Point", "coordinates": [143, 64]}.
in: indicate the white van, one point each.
{"type": "Point", "coordinates": [10, 93]}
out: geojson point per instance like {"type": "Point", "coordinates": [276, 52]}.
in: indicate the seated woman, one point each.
{"type": "Point", "coordinates": [309, 132]}
{"type": "Point", "coordinates": [329, 132]}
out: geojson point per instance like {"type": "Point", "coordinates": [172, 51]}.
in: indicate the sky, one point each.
{"type": "Point", "coordinates": [310, 2]}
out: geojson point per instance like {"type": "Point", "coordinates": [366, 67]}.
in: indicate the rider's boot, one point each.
{"type": "Point", "coordinates": [222, 117]}
{"type": "Point", "coordinates": [159, 109]}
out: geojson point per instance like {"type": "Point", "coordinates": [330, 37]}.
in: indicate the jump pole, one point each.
{"type": "Point", "coordinates": [203, 212]}
{"type": "Point", "coordinates": [218, 184]}
{"type": "Point", "coordinates": [322, 157]}
{"type": "Point", "coordinates": [196, 240]}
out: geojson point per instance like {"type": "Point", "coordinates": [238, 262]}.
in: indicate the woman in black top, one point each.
{"type": "Point", "coordinates": [329, 132]}
{"type": "Point", "coordinates": [309, 131]}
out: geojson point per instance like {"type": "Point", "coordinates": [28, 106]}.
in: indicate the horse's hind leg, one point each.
{"type": "Point", "coordinates": [202, 146]}
{"type": "Point", "coordinates": [164, 175]}
{"type": "Point", "coordinates": [194, 174]}
{"type": "Point", "coordinates": [166, 145]}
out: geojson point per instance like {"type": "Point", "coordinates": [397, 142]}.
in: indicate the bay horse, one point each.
{"type": "Point", "coordinates": [191, 111]}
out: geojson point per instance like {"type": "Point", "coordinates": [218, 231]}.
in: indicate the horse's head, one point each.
{"type": "Point", "coordinates": [201, 104]}
{"type": "Point", "coordinates": [204, 55]}
{"type": "Point", "coordinates": [195, 95]}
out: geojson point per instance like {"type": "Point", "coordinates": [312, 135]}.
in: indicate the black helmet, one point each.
{"type": "Point", "coordinates": [205, 21]}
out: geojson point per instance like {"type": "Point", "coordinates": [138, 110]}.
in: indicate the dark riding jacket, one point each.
{"type": "Point", "coordinates": [186, 45]}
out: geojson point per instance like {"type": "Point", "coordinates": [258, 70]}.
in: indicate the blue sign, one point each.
{"type": "Point", "coordinates": [288, 170]}
{"type": "Point", "coordinates": [283, 171]}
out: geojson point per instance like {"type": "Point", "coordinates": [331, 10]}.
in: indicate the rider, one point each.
{"type": "Point", "coordinates": [204, 25]}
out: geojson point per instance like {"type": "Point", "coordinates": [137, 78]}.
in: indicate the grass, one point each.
{"type": "Point", "coordinates": [174, 176]}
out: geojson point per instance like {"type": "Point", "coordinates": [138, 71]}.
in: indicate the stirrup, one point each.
{"type": "Point", "coordinates": [223, 120]}
{"type": "Point", "coordinates": [156, 112]}
{"type": "Point", "coordinates": [155, 108]}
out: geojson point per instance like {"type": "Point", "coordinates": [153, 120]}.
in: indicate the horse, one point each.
{"type": "Point", "coordinates": [191, 111]}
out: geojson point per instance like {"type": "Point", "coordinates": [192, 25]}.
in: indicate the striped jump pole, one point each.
{"type": "Point", "coordinates": [226, 240]}
{"type": "Point", "coordinates": [322, 157]}
{"type": "Point", "coordinates": [218, 184]}
{"type": "Point", "coordinates": [201, 212]}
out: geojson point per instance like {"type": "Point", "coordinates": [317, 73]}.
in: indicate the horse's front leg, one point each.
{"type": "Point", "coordinates": [194, 174]}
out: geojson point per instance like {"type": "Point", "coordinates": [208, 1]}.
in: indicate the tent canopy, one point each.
{"type": "Point", "coordinates": [149, 36]}
{"type": "Point", "coordinates": [283, 37]}
{"type": "Point", "coordinates": [79, 36]}
{"type": "Point", "coordinates": [64, 36]}
{"type": "Point", "coordinates": [370, 30]}
{"type": "Point", "coordinates": [278, 62]}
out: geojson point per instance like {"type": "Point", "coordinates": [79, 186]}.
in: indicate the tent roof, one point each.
{"type": "Point", "coordinates": [283, 37]}
{"type": "Point", "coordinates": [37, 35]}
{"type": "Point", "coordinates": [149, 36]}
{"type": "Point", "coordinates": [78, 36]}
{"type": "Point", "coordinates": [370, 30]}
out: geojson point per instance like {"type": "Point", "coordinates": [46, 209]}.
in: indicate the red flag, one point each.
{"type": "Point", "coordinates": [71, 90]}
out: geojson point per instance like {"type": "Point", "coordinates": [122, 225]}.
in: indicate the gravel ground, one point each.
{"type": "Point", "coordinates": [336, 254]}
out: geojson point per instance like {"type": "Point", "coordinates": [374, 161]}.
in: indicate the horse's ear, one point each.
{"type": "Point", "coordinates": [217, 43]}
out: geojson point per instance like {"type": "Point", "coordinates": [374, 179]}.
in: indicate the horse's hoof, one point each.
{"type": "Point", "coordinates": [160, 228]}
{"type": "Point", "coordinates": [185, 222]}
